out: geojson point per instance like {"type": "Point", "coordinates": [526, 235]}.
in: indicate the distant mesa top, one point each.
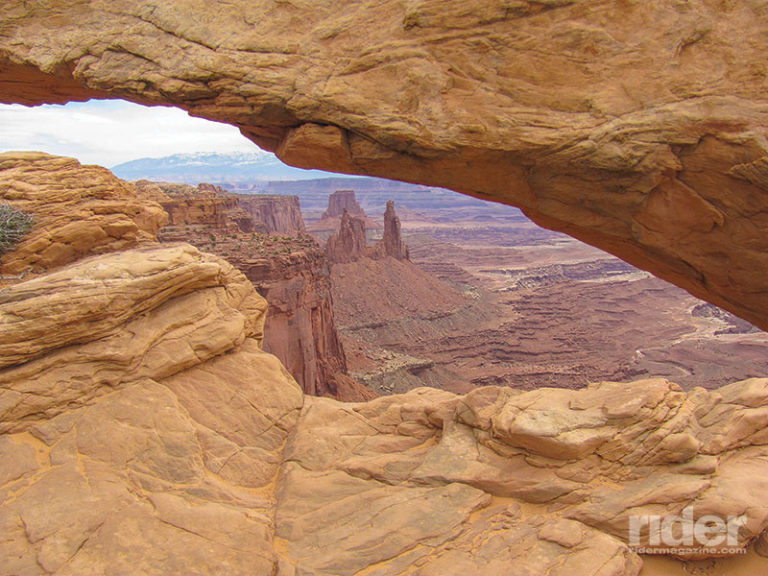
{"type": "Point", "coordinates": [343, 200]}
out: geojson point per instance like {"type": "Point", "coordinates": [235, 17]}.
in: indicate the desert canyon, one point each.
{"type": "Point", "coordinates": [147, 422]}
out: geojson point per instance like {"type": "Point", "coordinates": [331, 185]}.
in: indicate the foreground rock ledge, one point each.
{"type": "Point", "coordinates": [639, 127]}
{"type": "Point", "coordinates": [140, 439]}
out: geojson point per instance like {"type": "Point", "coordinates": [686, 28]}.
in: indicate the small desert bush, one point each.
{"type": "Point", "coordinates": [14, 225]}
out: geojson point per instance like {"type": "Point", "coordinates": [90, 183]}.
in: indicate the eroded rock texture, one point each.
{"type": "Point", "coordinates": [343, 201]}
{"type": "Point", "coordinates": [139, 436]}
{"type": "Point", "coordinates": [391, 243]}
{"type": "Point", "coordinates": [291, 271]}
{"type": "Point", "coordinates": [301, 325]}
{"type": "Point", "coordinates": [76, 210]}
{"type": "Point", "coordinates": [348, 243]}
{"type": "Point", "coordinates": [273, 214]}
{"type": "Point", "coordinates": [214, 207]}
{"type": "Point", "coordinates": [202, 205]}
{"type": "Point", "coordinates": [143, 429]}
{"type": "Point", "coordinates": [636, 126]}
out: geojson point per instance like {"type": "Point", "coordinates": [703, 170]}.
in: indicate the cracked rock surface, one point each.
{"type": "Point", "coordinates": [638, 127]}
{"type": "Point", "coordinates": [144, 430]}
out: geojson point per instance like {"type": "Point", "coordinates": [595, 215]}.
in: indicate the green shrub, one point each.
{"type": "Point", "coordinates": [14, 225]}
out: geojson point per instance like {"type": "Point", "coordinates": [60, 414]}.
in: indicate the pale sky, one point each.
{"type": "Point", "coordinates": [109, 132]}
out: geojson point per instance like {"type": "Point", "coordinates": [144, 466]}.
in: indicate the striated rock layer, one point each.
{"type": "Point", "coordinates": [301, 328]}
{"type": "Point", "coordinates": [204, 205]}
{"type": "Point", "coordinates": [143, 429]}
{"type": "Point", "coordinates": [391, 243]}
{"type": "Point", "coordinates": [173, 444]}
{"type": "Point", "coordinates": [292, 272]}
{"type": "Point", "coordinates": [639, 127]}
{"type": "Point", "coordinates": [76, 210]}
{"type": "Point", "coordinates": [273, 214]}
{"type": "Point", "coordinates": [343, 201]}
{"type": "Point", "coordinates": [214, 207]}
{"type": "Point", "coordinates": [348, 243]}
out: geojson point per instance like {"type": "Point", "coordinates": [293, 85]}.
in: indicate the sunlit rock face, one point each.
{"type": "Point", "coordinates": [76, 211]}
{"type": "Point", "coordinates": [143, 428]}
{"type": "Point", "coordinates": [391, 243]}
{"type": "Point", "coordinates": [638, 127]}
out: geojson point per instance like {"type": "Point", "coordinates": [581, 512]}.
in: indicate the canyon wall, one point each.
{"type": "Point", "coordinates": [343, 201]}
{"type": "Point", "coordinates": [348, 243]}
{"type": "Point", "coordinates": [209, 205]}
{"type": "Point", "coordinates": [144, 429]}
{"type": "Point", "coordinates": [203, 205]}
{"type": "Point", "coordinates": [640, 128]}
{"type": "Point", "coordinates": [274, 214]}
{"type": "Point", "coordinates": [291, 272]}
{"type": "Point", "coordinates": [301, 329]}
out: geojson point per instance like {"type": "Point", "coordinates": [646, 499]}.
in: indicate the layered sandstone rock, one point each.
{"type": "Point", "coordinates": [556, 473]}
{"type": "Point", "coordinates": [348, 243]}
{"type": "Point", "coordinates": [301, 328]}
{"type": "Point", "coordinates": [212, 206]}
{"type": "Point", "coordinates": [201, 205]}
{"type": "Point", "coordinates": [343, 201]}
{"type": "Point", "coordinates": [391, 244]}
{"type": "Point", "coordinates": [141, 422]}
{"type": "Point", "coordinates": [76, 210]}
{"type": "Point", "coordinates": [639, 127]}
{"type": "Point", "coordinates": [143, 429]}
{"type": "Point", "coordinates": [292, 273]}
{"type": "Point", "coordinates": [153, 434]}
{"type": "Point", "coordinates": [87, 328]}
{"type": "Point", "coordinates": [273, 214]}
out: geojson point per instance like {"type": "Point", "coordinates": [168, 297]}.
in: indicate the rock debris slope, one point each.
{"type": "Point", "coordinates": [638, 127]}
{"type": "Point", "coordinates": [144, 430]}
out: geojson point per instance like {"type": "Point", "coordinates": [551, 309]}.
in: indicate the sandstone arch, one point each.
{"type": "Point", "coordinates": [637, 126]}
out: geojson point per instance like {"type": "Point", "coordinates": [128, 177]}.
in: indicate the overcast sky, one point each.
{"type": "Point", "coordinates": [109, 132]}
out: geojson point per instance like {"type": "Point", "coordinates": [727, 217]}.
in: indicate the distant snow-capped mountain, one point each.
{"type": "Point", "coordinates": [199, 167]}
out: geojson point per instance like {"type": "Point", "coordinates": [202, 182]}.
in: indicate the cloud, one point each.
{"type": "Point", "coordinates": [108, 132]}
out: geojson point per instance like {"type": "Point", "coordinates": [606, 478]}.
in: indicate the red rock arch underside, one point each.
{"type": "Point", "coordinates": [638, 127]}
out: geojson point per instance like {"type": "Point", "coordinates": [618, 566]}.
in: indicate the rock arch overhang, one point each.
{"type": "Point", "coordinates": [638, 126]}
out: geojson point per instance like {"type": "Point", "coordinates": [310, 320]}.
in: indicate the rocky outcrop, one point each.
{"type": "Point", "coordinates": [292, 273]}
{"type": "Point", "coordinates": [339, 202]}
{"type": "Point", "coordinates": [213, 207]}
{"type": "Point", "coordinates": [143, 429]}
{"type": "Point", "coordinates": [640, 129]}
{"type": "Point", "coordinates": [391, 244]}
{"type": "Point", "coordinates": [140, 419]}
{"type": "Point", "coordinates": [273, 214]}
{"type": "Point", "coordinates": [343, 201]}
{"type": "Point", "coordinates": [348, 243]}
{"type": "Point", "coordinates": [76, 210]}
{"type": "Point", "coordinates": [84, 330]}
{"type": "Point", "coordinates": [544, 481]}
{"type": "Point", "coordinates": [301, 329]}
{"type": "Point", "coordinates": [202, 205]}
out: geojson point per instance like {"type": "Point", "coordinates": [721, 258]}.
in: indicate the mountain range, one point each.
{"type": "Point", "coordinates": [213, 167]}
